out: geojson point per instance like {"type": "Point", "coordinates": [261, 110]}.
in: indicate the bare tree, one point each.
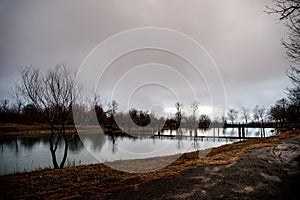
{"type": "Point", "coordinates": [255, 113]}
{"type": "Point", "coordinates": [245, 114]}
{"type": "Point", "coordinates": [232, 115]}
{"type": "Point", "coordinates": [278, 112]}
{"type": "Point", "coordinates": [112, 108]}
{"type": "Point", "coordinates": [259, 113]}
{"type": "Point", "coordinates": [84, 109]}
{"type": "Point", "coordinates": [178, 114]}
{"type": "Point", "coordinates": [194, 107]}
{"type": "Point", "coordinates": [289, 12]}
{"type": "Point", "coordinates": [294, 74]}
{"type": "Point", "coordinates": [18, 103]}
{"type": "Point", "coordinates": [52, 94]}
{"type": "Point", "coordinates": [223, 119]}
{"type": "Point", "coordinates": [204, 121]}
{"type": "Point", "coordinates": [4, 105]}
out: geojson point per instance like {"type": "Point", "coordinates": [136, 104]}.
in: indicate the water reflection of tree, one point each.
{"type": "Point", "coordinates": [76, 144]}
{"type": "Point", "coordinates": [179, 143]}
{"type": "Point", "coordinates": [112, 138]}
{"type": "Point", "coordinates": [96, 140]}
{"type": "Point", "coordinates": [12, 145]}
{"type": "Point", "coordinates": [195, 143]}
{"type": "Point", "coordinates": [28, 143]}
{"type": "Point", "coordinates": [232, 132]}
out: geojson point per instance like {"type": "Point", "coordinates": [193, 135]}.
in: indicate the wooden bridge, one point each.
{"type": "Point", "coordinates": [219, 130]}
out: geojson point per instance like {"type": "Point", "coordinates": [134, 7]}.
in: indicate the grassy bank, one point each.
{"type": "Point", "coordinates": [19, 130]}
{"type": "Point", "coordinates": [98, 179]}
{"type": "Point", "coordinates": [14, 130]}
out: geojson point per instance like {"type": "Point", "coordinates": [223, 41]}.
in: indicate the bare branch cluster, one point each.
{"type": "Point", "coordinates": [52, 94]}
{"type": "Point", "coordinates": [289, 12]}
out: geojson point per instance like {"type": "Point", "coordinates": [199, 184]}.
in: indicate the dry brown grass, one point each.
{"type": "Point", "coordinates": [98, 179]}
{"type": "Point", "coordinates": [13, 130]}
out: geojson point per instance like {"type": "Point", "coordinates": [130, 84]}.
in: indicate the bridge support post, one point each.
{"type": "Point", "coordinates": [243, 132]}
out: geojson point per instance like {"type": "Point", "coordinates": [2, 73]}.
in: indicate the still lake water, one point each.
{"type": "Point", "coordinates": [27, 154]}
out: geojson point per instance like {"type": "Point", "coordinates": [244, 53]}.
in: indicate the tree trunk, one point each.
{"type": "Point", "coordinates": [65, 152]}
{"type": "Point", "coordinates": [52, 150]}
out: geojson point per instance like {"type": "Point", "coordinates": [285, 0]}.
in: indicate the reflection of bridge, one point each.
{"type": "Point", "coordinates": [159, 130]}
{"type": "Point", "coordinates": [202, 137]}
{"type": "Point", "coordinates": [241, 133]}
{"type": "Point", "coordinates": [237, 132]}
{"type": "Point", "coordinates": [225, 125]}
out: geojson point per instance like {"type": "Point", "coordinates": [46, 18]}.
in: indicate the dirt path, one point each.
{"type": "Point", "coordinates": [265, 173]}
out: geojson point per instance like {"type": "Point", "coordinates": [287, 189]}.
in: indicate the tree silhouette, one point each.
{"type": "Point", "coordinates": [194, 107]}
{"type": "Point", "coordinates": [289, 12]}
{"type": "Point", "coordinates": [51, 94]}
{"type": "Point", "coordinates": [245, 114]}
{"type": "Point", "coordinates": [278, 112]}
{"type": "Point", "coordinates": [178, 114]}
{"type": "Point", "coordinates": [259, 113]}
{"type": "Point", "coordinates": [232, 115]}
{"type": "Point", "coordinates": [112, 108]}
{"type": "Point", "coordinates": [140, 118]}
{"type": "Point", "coordinates": [204, 121]}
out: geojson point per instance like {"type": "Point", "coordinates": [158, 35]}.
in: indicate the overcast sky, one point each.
{"type": "Point", "coordinates": [242, 40]}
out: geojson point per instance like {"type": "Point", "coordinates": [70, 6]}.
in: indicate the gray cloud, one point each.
{"type": "Point", "coordinates": [242, 40]}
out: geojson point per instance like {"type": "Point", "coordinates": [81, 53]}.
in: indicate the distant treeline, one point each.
{"type": "Point", "coordinates": [281, 114]}
{"type": "Point", "coordinates": [29, 114]}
